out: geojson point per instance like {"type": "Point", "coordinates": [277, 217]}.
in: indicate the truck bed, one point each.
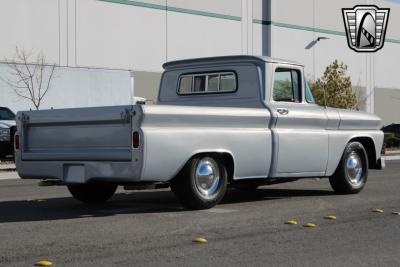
{"type": "Point", "coordinates": [90, 134]}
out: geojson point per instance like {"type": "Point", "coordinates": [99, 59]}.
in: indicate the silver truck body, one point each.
{"type": "Point", "coordinates": [259, 137]}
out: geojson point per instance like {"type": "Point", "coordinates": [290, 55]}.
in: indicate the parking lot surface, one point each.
{"type": "Point", "coordinates": [150, 228]}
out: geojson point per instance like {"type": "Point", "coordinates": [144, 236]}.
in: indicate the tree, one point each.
{"type": "Point", "coordinates": [30, 80]}
{"type": "Point", "coordinates": [335, 86]}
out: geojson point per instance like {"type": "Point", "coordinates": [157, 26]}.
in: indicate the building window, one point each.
{"type": "Point", "coordinates": [217, 82]}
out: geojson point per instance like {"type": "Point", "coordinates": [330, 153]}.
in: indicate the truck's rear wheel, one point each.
{"type": "Point", "coordinates": [351, 175]}
{"type": "Point", "coordinates": [92, 193]}
{"type": "Point", "coordinates": [201, 184]}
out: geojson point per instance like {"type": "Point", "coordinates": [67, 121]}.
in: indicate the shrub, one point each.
{"type": "Point", "coordinates": [337, 84]}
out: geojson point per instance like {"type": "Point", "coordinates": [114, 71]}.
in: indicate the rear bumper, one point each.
{"type": "Point", "coordinates": [79, 172]}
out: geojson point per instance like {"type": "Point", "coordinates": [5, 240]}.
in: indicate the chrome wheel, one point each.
{"type": "Point", "coordinates": [351, 174]}
{"type": "Point", "coordinates": [202, 182]}
{"type": "Point", "coordinates": [207, 177]}
{"type": "Point", "coordinates": [354, 169]}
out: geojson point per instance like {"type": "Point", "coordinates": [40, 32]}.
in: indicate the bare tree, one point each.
{"type": "Point", "coordinates": [30, 79]}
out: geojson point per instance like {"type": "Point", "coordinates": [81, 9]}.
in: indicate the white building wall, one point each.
{"type": "Point", "coordinates": [28, 24]}
{"type": "Point", "coordinates": [116, 36]}
{"type": "Point", "coordinates": [295, 35]}
{"type": "Point", "coordinates": [199, 36]}
{"type": "Point", "coordinates": [119, 35]}
{"type": "Point", "coordinates": [295, 31]}
{"type": "Point", "coordinates": [122, 34]}
{"type": "Point", "coordinates": [386, 65]}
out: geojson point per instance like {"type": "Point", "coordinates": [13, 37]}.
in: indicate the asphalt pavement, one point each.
{"type": "Point", "coordinates": [150, 228]}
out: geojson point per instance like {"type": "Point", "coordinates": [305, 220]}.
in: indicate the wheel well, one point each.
{"type": "Point", "coordinates": [369, 146]}
{"type": "Point", "coordinates": [223, 157]}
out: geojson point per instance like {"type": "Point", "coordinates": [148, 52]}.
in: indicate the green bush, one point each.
{"type": "Point", "coordinates": [338, 89]}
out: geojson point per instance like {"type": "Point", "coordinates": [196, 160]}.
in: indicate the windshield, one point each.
{"type": "Point", "coordinates": [309, 96]}
{"type": "Point", "coordinates": [6, 114]}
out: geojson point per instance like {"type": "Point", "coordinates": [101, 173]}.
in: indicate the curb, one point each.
{"type": "Point", "coordinates": [389, 158]}
{"type": "Point", "coordinates": [13, 175]}
{"type": "Point", "coordinates": [7, 166]}
{"type": "Point", "coordinates": [392, 152]}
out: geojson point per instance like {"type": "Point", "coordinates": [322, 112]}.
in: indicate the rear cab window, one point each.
{"type": "Point", "coordinates": [206, 83]}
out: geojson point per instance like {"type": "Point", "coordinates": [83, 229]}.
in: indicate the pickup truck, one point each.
{"type": "Point", "coordinates": [242, 121]}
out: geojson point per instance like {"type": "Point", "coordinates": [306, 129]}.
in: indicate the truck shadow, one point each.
{"type": "Point", "coordinates": [130, 203]}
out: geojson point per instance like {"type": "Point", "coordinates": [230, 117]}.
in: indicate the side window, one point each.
{"type": "Point", "coordinates": [218, 82]}
{"type": "Point", "coordinates": [309, 95]}
{"type": "Point", "coordinates": [287, 85]}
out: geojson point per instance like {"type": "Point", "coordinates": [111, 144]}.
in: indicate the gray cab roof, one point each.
{"type": "Point", "coordinates": [235, 58]}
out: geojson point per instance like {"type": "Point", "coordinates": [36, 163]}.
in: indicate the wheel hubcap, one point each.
{"type": "Point", "coordinates": [207, 178]}
{"type": "Point", "coordinates": [354, 169]}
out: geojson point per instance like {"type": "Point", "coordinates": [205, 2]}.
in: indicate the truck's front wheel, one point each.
{"type": "Point", "coordinates": [351, 175]}
{"type": "Point", "coordinates": [201, 184]}
{"type": "Point", "coordinates": [92, 193]}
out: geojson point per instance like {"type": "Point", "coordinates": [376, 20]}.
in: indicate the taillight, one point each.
{"type": "Point", "coordinates": [135, 139]}
{"type": "Point", "coordinates": [16, 141]}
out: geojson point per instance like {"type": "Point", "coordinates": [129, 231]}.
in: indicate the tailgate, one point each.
{"type": "Point", "coordinates": [84, 134]}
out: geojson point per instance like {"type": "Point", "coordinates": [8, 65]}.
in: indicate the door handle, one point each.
{"type": "Point", "coordinates": [282, 111]}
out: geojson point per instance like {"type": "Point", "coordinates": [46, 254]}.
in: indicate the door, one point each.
{"type": "Point", "coordinates": [301, 139]}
